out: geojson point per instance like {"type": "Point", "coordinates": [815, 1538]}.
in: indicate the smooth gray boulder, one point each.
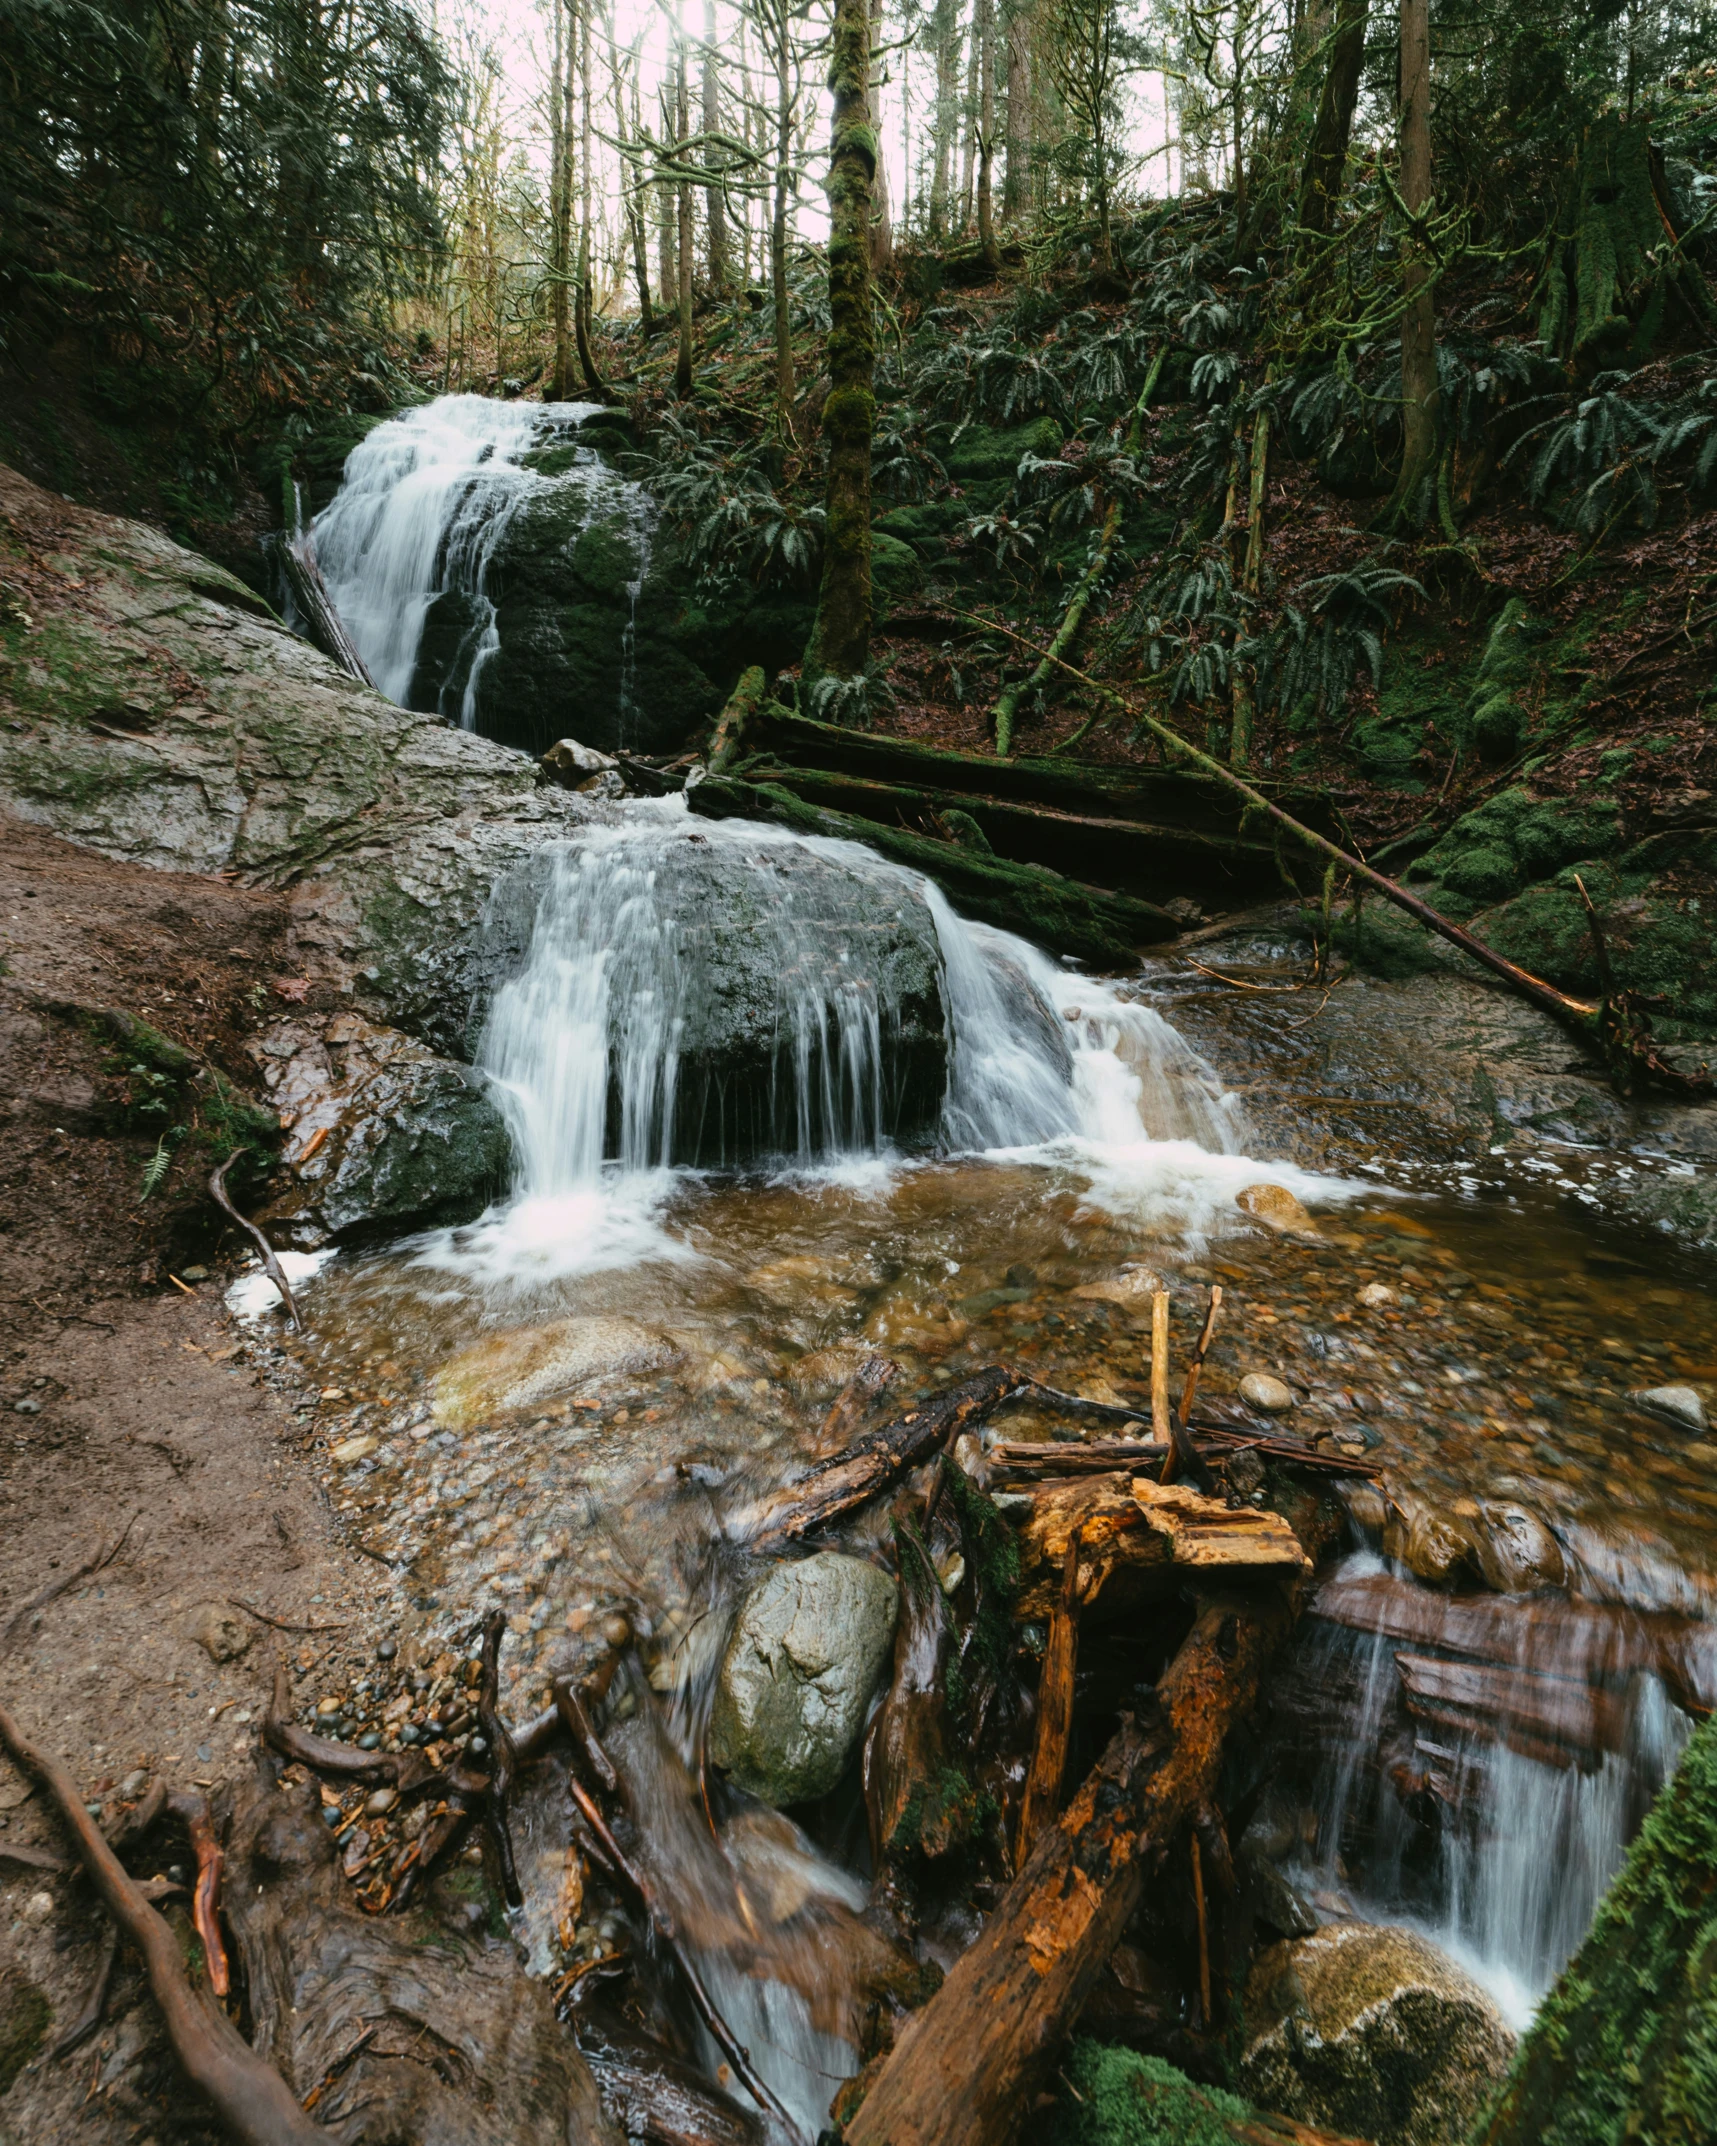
{"type": "Point", "coordinates": [808, 1650]}
{"type": "Point", "coordinates": [1371, 2031]}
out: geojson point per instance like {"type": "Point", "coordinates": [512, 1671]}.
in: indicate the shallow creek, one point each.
{"type": "Point", "coordinates": [565, 1408]}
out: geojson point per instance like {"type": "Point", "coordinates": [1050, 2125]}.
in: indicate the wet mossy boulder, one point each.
{"type": "Point", "coordinates": [895, 572]}
{"type": "Point", "coordinates": [1116, 2097]}
{"type": "Point", "coordinates": [925, 525]}
{"type": "Point", "coordinates": [1515, 838]}
{"type": "Point", "coordinates": [592, 611]}
{"type": "Point", "coordinates": [986, 451]}
{"type": "Point", "coordinates": [1496, 719]}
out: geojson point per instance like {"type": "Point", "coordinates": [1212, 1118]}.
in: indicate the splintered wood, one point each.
{"type": "Point", "coordinates": [1205, 1531]}
{"type": "Point", "coordinates": [1134, 1536]}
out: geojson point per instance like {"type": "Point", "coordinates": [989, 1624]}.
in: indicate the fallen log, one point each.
{"type": "Point", "coordinates": [1054, 1710]}
{"type": "Point", "coordinates": [966, 2071]}
{"type": "Point", "coordinates": [840, 1485]}
{"type": "Point", "coordinates": [1103, 928]}
{"type": "Point", "coordinates": [323, 625]}
{"type": "Point", "coordinates": [907, 1752]}
{"type": "Point", "coordinates": [247, 2093]}
{"type": "Point", "coordinates": [1616, 1025]}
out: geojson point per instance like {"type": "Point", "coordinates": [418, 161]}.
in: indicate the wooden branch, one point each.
{"type": "Point", "coordinates": [276, 1273]}
{"type": "Point", "coordinates": [281, 1624]}
{"type": "Point", "coordinates": [1054, 1711]}
{"type": "Point", "coordinates": [843, 1419]}
{"type": "Point", "coordinates": [1160, 1370]}
{"type": "Point", "coordinates": [250, 2097]}
{"type": "Point", "coordinates": [89, 2013]}
{"type": "Point", "coordinates": [1098, 1456]}
{"type": "Point", "coordinates": [192, 1812]}
{"type": "Point", "coordinates": [840, 1485]}
{"type": "Point", "coordinates": [1203, 1934]}
{"type": "Point", "coordinates": [967, 2070]}
{"type": "Point", "coordinates": [502, 1758]}
{"type": "Point", "coordinates": [406, 1770]}
{"type": "Point", "coordinates": [326, 628]}
{"type": "Point", "coordinates": [1189, 1392]}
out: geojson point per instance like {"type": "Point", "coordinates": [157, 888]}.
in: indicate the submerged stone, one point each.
{"type": "Point", "coordinates": [808, 1649]}
{"type": "Point", "coordinates": [531, 1364]}
{"type": "Point", "coordinates": [1374, 2032]}
{"type": "Point", "coordinates": [1277, 1209]}
{"type": "Point", "coordinates": [1676, 1404]}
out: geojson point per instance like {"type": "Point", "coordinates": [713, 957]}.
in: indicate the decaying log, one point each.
{"type": "Point", "coordinates": [1138, 1540]}
{"type": "Point", "coordinates": [1022, 1461]}
{"type": "Point", "coordinates": [249, 2095]}
{"type": "Point", "coordinates": [656, 2097]}
{"type": "Point", "coordinates": [967, 2069]}
{"type": "Point", "coordinates": [907, 1759]}
{"type": "Point", "coordinates": [1094, 925]}
{"type": "Point", "coordinates": [1054, 1710]}
{"type": "Point", "coordinates": [731, 725]}
{"type": "Point", "coordinates": [323, 625]}
{"type": "Point", "coordinates": [410, 2028]}
{"type": "Point", "coordinates": [840, 1485]}
{"type": "Point", "coordinates": [844, 1418]}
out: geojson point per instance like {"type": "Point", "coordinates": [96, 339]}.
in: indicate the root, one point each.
{"type": "Point", "coordinates": [276, 1273]}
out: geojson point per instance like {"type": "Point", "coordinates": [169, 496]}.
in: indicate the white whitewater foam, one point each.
{"type": "Point", "coordinates": [253, 1296]}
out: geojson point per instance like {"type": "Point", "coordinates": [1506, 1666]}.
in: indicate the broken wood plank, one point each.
{"type": "Point", "coordinates": [1114, 1545]}
{"type": "Point", "coordinates": [967, 2069]}
{"type": "Point", "coordinates": [839, 1485]}
{"type": "Point", "coordinates": [1206, 1532]}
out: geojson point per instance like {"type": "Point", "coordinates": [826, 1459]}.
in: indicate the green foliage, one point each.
{"type": "Point", "coordinates": [733, 525]}
{"type": "Point", "coordinates": [1330, 626]}
{"type": "Point", "coordinates": [1119, 2098]}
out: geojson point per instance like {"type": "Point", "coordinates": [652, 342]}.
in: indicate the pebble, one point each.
{"type": "Point", "coordinates": [1679, 1403]}
{"type": "Point", "coordinates": [1377, 1296]}
{"type": "Point", "coordinates": [193, 1274]}
{"type": "Point", "coordinates": [26, 1408]}
{"type": "Point", "coordinates": [387, 1650]}
{"type": "Point", "coordinates": [133, 1786]}
{"type": "Point", "coordinates": [616, 1629]}
{"type": "Point", "coordinates": [354, 1449]}
{"type": "Point", "coordinates": [383, 1801]}
{"type": "Point", "coordinates": [1258, 1389]}
{"type": "Point", "coordinates": [39, 1908]}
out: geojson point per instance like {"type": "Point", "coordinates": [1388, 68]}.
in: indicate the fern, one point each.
{"type": "Point", "coordinates": [1606, 439]}
{"type": "Point", "coordinates": [156, 1168]}
{"type": "Point", "coordinates": [1334, 624]}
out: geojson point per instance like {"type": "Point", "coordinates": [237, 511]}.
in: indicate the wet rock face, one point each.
{"type": "Point", "coordinates": [384, 1134]}
{"type": "Point", "coordinates": [574, 638]}
{"type": "Point", "coordinates": [808, 1649]}
{"type": "Point", "coordinates": [1372, 2032]}
{"type": "Point", "coordinates": [772, 958]}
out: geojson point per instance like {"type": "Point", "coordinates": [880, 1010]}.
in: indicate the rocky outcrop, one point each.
{"type": "Point", "coordinates": [805, 1657]}
{"type": "Point", "coordinates": [1374, 2033]}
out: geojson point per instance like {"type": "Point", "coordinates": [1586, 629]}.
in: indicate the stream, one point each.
{"type": "Point", "coordinates": [566, 1407]}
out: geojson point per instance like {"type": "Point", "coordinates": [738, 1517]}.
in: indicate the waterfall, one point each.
{"type": "Point", "coordinates": [597, 1047]}
{"type": "Point", "coordinates": [425, 499]}
{"type": "Point", "coordinates": [1483, 1762]}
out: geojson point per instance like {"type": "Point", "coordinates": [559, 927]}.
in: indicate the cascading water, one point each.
{"type": "Point", "coordinates": [424, 502]}
{"type": "Point", "coordinates": [1486, 1760]}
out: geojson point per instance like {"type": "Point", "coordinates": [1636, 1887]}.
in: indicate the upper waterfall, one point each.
{"type": "Point", "coordinates": [409, 548]}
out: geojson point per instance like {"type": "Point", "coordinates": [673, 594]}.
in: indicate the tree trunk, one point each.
{"type": "Point", "coordinates": [947, 119]}
{"type": "Point", "coordinates": [881, 220]}
{"type": "Point", "coordinates": [968, 2069]}
{"type": "Point", "coordinates": [840, 641]}
{"type": "Point", "coordinates": [667, 278]}
{"type": "Point", "coordinates": [1016, 185]}
{"type": "Point", "coordinates": [683, 128]}
{"type": "Point", "coordinates": [786, 386]}
{"type": "Point", "coordinates": [585, 308]}
{"type": "Point", "coordinates": [1419, 399]}
{"type": "Point", "coordinates": [970, 113]}
{"type": "Point", "coordinates": [715, 200]}
{"type": "Point", "coordinates": [632, 192]}
{"type": "Point", "coordinates": [560, 202]}
{"type": "Point", "coordinates": [1326, 158]}
{"type": "Point", "coordinates": [985, 32]}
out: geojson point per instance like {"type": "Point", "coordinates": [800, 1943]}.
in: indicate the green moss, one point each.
{"type": "Point", "coordinates": [24, 2016]}
{"type": "Point", "coordinates": [1116, 2097]}
{"type": "Point", "coordinates": [1515, 838]}
{"type": "Point", "coordinates": [1625, 2047]}
{"type": "Point", "coordinates": [925, 525]}
{"type": "Point", "coordinates": [984, 451]}
{"type": "Point", "coordinates": [895, 572]}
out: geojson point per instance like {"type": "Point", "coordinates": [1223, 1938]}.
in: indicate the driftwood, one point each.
{"type": "Point", "coordinates": [502, 1757]}
{"type": "Point", "coordinates": [322, 623]}
{"type": "Point", "coordinates": [276, 1273]}
{"type": "Point", "coordinates": [402, 2026]}
{"type": "Point", "coordinates": [248, 2094]}
{"type": "Point", "coordinates": [854, 1398]}
{"type": "Point", "coordinates": [654, 2096]}
{"type": "Point", "coordinates": [966, 2070]}
{"type": "Point", "coordinates": [1015, 1460]}
{"type": "Point", "coordinates": [1097, 926]}
{"type": "Point", "coordinates": [1054, 1710]}
{"type": "Point", "coordinates": [839, 1486]}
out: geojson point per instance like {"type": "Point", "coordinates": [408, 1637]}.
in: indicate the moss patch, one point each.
{"type": "Point", "coordinates": [1119, 2098]}
{"type": "Point", "coordinates": [24, 2016]}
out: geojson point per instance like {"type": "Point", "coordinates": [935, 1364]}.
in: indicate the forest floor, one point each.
{"type": "Point", "coordinates": [134, 1412]}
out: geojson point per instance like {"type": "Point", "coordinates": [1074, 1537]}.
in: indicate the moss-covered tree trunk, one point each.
{"type": "Point", "coordinates": [1419, 323]}
{"type": "Point", "coordinates": [1625, 2047]}
{"type": "Point", "coordinates": [560, 201]}
{"type": "Point", "coordinates": [1326, 157]}
{"type": "Point", "coordinates": [840, 642]}
{"type": "Point", "coordinates": [786, 387]}
{"type": "Point", "coordinates": [683, 198]}
{"type": "Point", "coordinates": [584, 313]}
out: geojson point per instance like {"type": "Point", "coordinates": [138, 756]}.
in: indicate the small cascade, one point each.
{"type": "Point", "coordinates": [1485, 1760]}
{"type": "Point", "coordinates": [423, 505]}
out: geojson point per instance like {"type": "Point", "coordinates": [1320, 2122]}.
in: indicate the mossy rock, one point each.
{"type": "Point", "coordinates": [1661, 942]}
{"type": "Point", "coordinates": [925, 525]}
{"type": "Point", "coordinates": [984, 451]}
{"type": "Point", "coordinates": [1116, 2097]}
{"type": "Point", "coordinates": [896, 573]}
{"type": "Point", "coordinates": [1514, 838]}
